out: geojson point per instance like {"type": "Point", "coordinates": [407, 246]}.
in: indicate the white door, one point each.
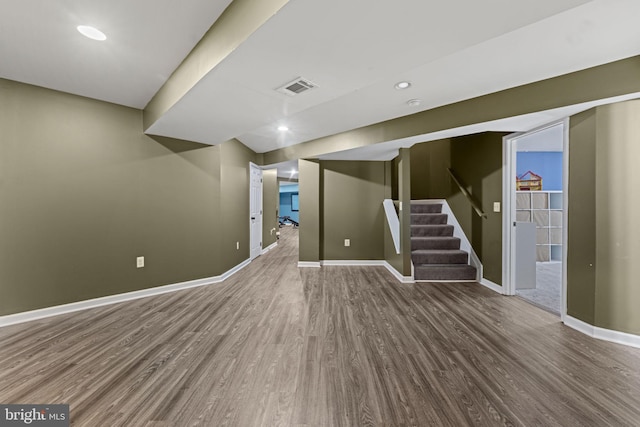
{"type": "Point", "coordinates": [255, 211]}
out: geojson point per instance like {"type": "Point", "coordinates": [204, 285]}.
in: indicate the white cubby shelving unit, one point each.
{"type": "Point", "coordinates": [544, 208]}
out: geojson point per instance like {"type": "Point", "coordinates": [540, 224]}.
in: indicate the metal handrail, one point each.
{"type": "Point", "coordinates": [474, 205]}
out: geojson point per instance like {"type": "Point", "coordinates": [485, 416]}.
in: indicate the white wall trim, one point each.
{"type": "Point", "coordinates": [308, 264]}
{"type": "Point", "coordinates": [491, 285]}
{"type": "Point", "coordinates": [393, 221]}
{"type": "Point", "coordinates": [617, 337]}
{"type": "Point", "coordinates": [270, 247]}
{"type": "Point", "coordinates": [42, 313]}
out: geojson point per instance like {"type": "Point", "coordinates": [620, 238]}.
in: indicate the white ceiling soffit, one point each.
{"type": "Point", "coordinates": [527, 122]}
{"type": "Point", "coordinates": [594, 34]}
{"type": "Point", "coordinates": [286, 170]}
{"type": "Point", "coordinates": [146, 41]}
{"type": "Point", "coordinates": [547, 139]}
{"type": "Point", "coordinates": [355, 57]}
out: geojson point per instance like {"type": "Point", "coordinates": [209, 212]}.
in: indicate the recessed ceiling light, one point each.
{"type": "Point", "coordinates": [92, 33]}
{"type": "Point", "coordinates": [402, 85]}
{"type": "Point", "coordinates": [283, 128]}
{"type": "Point", "coordinates": [414, 102]}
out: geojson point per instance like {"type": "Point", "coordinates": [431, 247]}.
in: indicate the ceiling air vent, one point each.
{"type": "Point", "coordinates": [296, 87]}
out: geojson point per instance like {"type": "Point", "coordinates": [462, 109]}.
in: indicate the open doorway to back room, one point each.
{"type": "Point", "coordinates": [537, 216]}
{"type": "Point", "coordinates": [289, 204]}
{"type": "Point", "coordinates": [289, 194]}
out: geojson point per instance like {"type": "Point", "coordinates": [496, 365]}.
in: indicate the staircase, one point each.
{"type": "Point", "coordinates": [435, 253]}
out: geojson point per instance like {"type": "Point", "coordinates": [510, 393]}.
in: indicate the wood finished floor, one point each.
{"type": "Point", "coordinates": [337, 346]}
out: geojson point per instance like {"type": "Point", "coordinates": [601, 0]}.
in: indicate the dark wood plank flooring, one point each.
{"type": "Point", "coordinates": [337, 346]}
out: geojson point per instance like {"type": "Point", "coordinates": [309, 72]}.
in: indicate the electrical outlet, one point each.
{"type": "Point", "coordinates": [237, 245]}
{"type": "Point", "coordinates": [496, 206]}
{"type": "Point", "coordinates": [347, 242]}
{"type": "Point", "coordinates": [140, 262]}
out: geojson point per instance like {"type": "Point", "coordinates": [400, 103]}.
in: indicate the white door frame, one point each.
{"type": "Point", "coordinates": [509, 209]}
{"type": "Point", "coordinates": [258, 213]}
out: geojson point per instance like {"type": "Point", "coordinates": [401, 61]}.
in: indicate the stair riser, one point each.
{"type": "Point", "coordinates": [431, 230]}
{"type": "Point", "coordinates": [463, 272]}
{"type": "Point", "coordinates": [426, 219]}
{"type": "Point", "coordinates": [455, 258]}
{"type": "Point", "coordinates": [426, 208]}
{"type": "Point", "coordinates": [443, 243]}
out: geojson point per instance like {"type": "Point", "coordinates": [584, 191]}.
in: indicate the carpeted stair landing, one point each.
{"type": "Point", "coordinates": [435, 252]}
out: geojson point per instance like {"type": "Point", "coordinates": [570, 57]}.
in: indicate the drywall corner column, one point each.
{"type": "Point", "coordinates": [617, 204]}
{"type": "Point", "coordinates": [581, 213]}
{"type": "Point", "coordinates": [270, 205]}
{"type": "Point", "coordinates": [404, 196]}
{"type": "Point", "coordinates": [310, 210]}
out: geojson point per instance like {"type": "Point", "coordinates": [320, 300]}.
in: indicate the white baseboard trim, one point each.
{"type": "Point", "coordinates": [270, 247]}
{"type": "Point", "coordinates": [308, 264]}
{"type": "Point", "coordinates": [360, 263]}
{"type": "Point", "coordinates": [493, 286]}
{"type": "Point", "coordinates": [27, 316]}
{"type": "Point", "coordinates": [445, 281]}
{"type": "Point", "coordinates": [617, 337]}
{"type": "Point", "coordinates": [356, 263]}
{"type": "Point", "coordinates": [397, 275]}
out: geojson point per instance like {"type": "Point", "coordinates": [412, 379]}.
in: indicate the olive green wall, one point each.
{"type": "Point", "coordinates": [352, 197]}
{"type": "Point", "coordinates": [234, 202]}
{"type": "Point", "coordinates": [581, 211]}
{"type": "Point", "coordinates": [477, 161]}
{"type": "Point", "coordinates": [270, 206]}
{"type": "Point", "coordinates": [617, 207]}
{"type": "Point", "coordinates": [603, 240]}
{"type": "Point", "coordinates": [429, 164]}
{"type": "Point", "coordinates": [83, 192]}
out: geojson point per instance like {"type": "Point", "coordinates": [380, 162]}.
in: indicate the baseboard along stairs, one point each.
{"type": "Point", "coordinates": [435, 253]}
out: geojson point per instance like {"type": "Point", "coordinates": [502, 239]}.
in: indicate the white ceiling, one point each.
{"type": "Point", "coordinates": [355, 51]}
{"type": "Point", "coordinates": [146, 41]}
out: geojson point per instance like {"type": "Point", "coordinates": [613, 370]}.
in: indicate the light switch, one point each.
{"type": "Point", "coordinates": [347, 242]}
{"type": "Point", "coordinates": [496, 206]}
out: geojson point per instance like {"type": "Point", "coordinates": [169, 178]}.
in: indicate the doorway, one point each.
{"type": "Point", "coordinates": [535, 187]}
{"type": "Point", "coordinates": [255, 211]}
